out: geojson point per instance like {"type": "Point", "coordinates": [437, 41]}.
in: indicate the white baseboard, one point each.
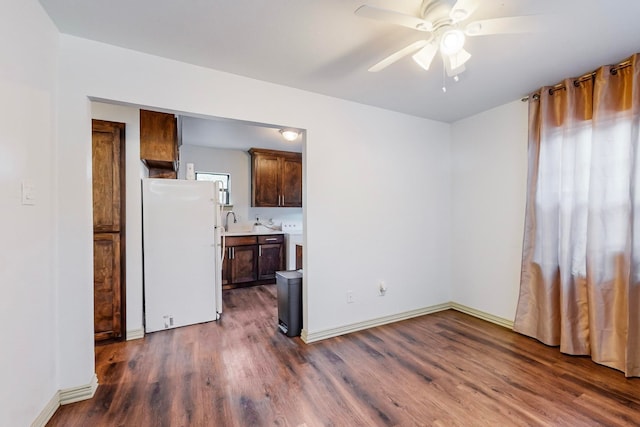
{"type": "Point", "coordinates": [47, 412]}
{"type": "Point", "coordinates": [342, 330]}
{"type": "Point", "coordinates": [76, 394]}
{"type": "Point", "coordinates": [482, 315]}
{"type": "Point", "coordinates": [63, 397]}
{"type": "Point", "coordinates": [135, 334]}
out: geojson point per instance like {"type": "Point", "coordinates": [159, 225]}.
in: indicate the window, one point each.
{"type": "Point", "coordinates": [222, 177]}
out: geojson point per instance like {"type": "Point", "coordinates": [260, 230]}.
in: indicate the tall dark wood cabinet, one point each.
{"type": "Point", "coordinates": [108, 230]}
{"type": "Point", "coordinates": [276, 178]}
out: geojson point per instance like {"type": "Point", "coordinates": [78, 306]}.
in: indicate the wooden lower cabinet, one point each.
{"type": "Point", "coordinates": [252, 260]}
{"type": "Point", "coordinates": [242, 268]}
{"type": "Point", "coordinates": [270, 256]}
{"type": "Point", "coordinates": [107, 316]}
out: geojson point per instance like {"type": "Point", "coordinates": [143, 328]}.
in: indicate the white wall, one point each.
{"type": "Point", "coordinates": [27, 253]}
{"type": "Point", "coordinates": [489, 174]}
{"type": "Point", "coordinates": [377, 187]}
{"type": "Point", "coordinates": [134, 171]}
{"type": "Point", "coordinates": [237, 163]}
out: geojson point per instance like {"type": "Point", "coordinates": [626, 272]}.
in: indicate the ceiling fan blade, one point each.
{"type": "Point", "coordinates": [462, 9]}
{"type": "Point", "coordinates": [508, 25]}
{"type": "Point", "coordinates": [393, 17]}
{"type": "Point", "coordinates": [398, 55]}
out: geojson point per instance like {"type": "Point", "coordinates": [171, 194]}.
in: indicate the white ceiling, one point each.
{"type": "Point", "coordinates": [321, 46]}
{"type": "Point", "coordinates": [234, 134]}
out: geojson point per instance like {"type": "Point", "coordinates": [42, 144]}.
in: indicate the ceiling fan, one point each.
{"type": "Point", "coordinates": [446, 31]}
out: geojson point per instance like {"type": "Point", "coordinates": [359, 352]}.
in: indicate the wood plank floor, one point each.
{"type": "Point", "coordinates": [444, 369]}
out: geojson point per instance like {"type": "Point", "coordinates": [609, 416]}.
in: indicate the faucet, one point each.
{"type": "Point", "coordinates": [235, 220]}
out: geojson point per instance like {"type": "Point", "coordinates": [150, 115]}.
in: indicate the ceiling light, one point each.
{"type": "Point", "coordinates": [289, 134]}
{"type": "Point", "coordinates": [451, 42]}
{"type": "Point", "coordinates": [424, 57]}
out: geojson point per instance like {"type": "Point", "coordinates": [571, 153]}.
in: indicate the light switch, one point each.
{"type": "Point", "coordinates": [28, 193]}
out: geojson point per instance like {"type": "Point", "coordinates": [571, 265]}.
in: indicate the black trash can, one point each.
{"type": "Point", "coordinates": [289, 288]}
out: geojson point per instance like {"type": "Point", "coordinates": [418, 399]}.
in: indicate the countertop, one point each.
{"type": "Point", "coordinates": [252, 233]}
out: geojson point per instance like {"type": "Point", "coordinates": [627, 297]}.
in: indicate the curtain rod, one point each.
{"type": "Point", "coordinates": [583, 78]}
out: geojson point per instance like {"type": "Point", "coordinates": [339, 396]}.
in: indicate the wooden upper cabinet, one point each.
{"type": "Point", "coordinates": [265, 176]}
{"type": "Point", "coordinates": [276, 178]}
{"type": "Point", "coordinates": [291, 187]}
{"type": "Point", "coordinates": [108, 178]}
{"type": "Point", "coordinates": [158, 141]}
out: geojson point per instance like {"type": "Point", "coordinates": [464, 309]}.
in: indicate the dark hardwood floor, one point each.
{"type": "Point", "coordinates": [444, 369]}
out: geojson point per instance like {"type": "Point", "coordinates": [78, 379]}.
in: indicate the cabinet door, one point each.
{"type": "Point", "coordinates": [291, 183]}
{"type": "Point", "coordinates": [265, 180]}
{"type": "Point", "coordinates": [108, 229]}
{"type": "Point", "coordinates": [106, 286]}
{"type": "Point", "coordinates": [243, 265]}
{"type": "Point", "coordinates": [270, 260]}
{"type": "Point", "coordinates": [225, 266]}
{"type": "Point", "coordinates": [158, 139]}
{"type": "Point", "coordinates": [107, 159]}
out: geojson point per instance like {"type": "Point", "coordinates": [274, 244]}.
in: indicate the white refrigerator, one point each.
{"type": "Point", "coordinates": [182, 252]}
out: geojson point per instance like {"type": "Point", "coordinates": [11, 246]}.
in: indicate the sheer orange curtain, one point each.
{"type": "Point", "coordinates": [580, 283]}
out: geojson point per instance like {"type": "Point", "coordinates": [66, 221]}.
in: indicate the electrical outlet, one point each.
{"type": "Point", "coordinates": [350, 298]}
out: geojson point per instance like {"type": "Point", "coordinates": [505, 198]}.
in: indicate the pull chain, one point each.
{"type": "Point", "coordinates": [444, 81]}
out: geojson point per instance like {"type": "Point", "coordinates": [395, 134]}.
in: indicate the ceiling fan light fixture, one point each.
{"type": "Point", "coordinates": [425, 56]}
{"type": "Point", "coordinates": [459, 14]}
{"type": "Point", "coordinates": [451, 42]}
{"type": "Point", "coordinates": [473, 29]}
{"type": "Point", "coordinates": [458, 60]}
{"type": "Point", "coordinates": [289, 134]}
{"type": "Point", "coordinates": [450, 70]}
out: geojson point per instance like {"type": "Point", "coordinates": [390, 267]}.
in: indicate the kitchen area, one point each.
{"type": "Point", "coordinates": [257, 217]}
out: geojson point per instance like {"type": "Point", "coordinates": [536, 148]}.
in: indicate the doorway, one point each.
{"type": "Point", "coordinates": [108, 163]}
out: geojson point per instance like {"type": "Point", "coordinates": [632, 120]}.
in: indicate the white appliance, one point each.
{"type": "Point", "coordinates": [182, 252]}
{"type": "Point", "coordinates": [293, 236]}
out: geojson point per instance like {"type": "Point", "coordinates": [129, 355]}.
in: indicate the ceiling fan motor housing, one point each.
{"type": "Point", "coordinates": [437, 12]}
